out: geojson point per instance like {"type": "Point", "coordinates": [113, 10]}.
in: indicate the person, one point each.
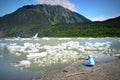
{"type": "Point", "coordinates": [90, 61]}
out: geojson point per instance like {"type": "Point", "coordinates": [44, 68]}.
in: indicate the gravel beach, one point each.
{"type": "Point", "coordinates": [101, 71]}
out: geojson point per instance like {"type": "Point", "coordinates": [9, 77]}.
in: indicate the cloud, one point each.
{"type": "Point", "coordinates": [99, 18]}
{"type": "Point", "coordinates": [102, 18]}
{"type": "Point", "coordinates": [64, 3]}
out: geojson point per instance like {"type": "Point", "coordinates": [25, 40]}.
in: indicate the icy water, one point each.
{"type": "Point", "coordinates": [28, 58]}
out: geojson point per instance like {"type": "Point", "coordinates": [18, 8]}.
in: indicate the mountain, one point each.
{"type": "Point", "coordinates": [56, 21]}
{"type": "Point", "coordinates": [37, 14]}
{"type": "Point", "coordinates": [35, 17]}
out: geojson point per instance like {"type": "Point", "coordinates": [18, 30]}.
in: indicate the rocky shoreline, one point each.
{"type": "Point", "coordinates": [101, 71]}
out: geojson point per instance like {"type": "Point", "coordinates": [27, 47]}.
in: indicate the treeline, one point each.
{"type": "Point", "coordinates": [109, 28]}
{"type": "Point", "coordinates": [95, 29]}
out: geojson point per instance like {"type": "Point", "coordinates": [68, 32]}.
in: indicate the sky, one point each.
{"type": "Point", "coordinates": [95, 10]}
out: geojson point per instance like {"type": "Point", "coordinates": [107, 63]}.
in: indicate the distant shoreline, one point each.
{"type": "Point", "coordinates": [60, 37]}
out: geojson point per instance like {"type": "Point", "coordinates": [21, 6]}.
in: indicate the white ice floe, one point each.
{"type": "Point", "coordinates": [64, 38]}
{"type": "Point", "coordinates": [47, 47]}
{"type": "Point", "coordinates": [31, 47]}
{"type": "Point", "coordinates": [37, 45]}
{"type": "Point", "coordinates": [97, 45]}
{"type": "Point", "coordinates": [2, 45]}
{"type": "Point", "coordinates": [12, 39]}
{"type": "Point", "coordinates": [36, 55]}
{"type": "Point", "coordinates": [25, 39]}
{"type": "Point", "coordinates": [18, 54]}
{"type": "Point", "coordinates": [45, 38]}
{"type": "Point", "coordinates": [27, 45]}
{"type": "Point", "coordinates": [13, 48]}
{"type": "Point", "coordinates": [25, 63]}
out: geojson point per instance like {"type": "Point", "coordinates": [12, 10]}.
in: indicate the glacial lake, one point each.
{"type": "Point", "coordinates": [29, 58]}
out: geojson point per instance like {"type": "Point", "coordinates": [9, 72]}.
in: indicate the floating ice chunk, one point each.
{"type": "Point", "coordinates": [13, 48]}
{"type": "Point", "coordinates": [27, 44]}
{"type": "Point", "coordinates": [31, 47]}
{"type": "Point", "coordinates": [45, 38]}
{"type": "Point", "coordinates": [2, 45]}
{"type": "Point", "coordinates": [47, 47]}
{"type": "Point", "coordinates": [11, 39]}
{"type": "Point", "coordinates": [97, 45]}
{"type": "Point", "coordinates": [60, 47]}
{"type": "Point", "coordinates": [73, 52]}
{"type": "Point", "coordinates": [36, 55]}
{"type": "Point", "coordinates": [70, 45]}
{"type": "Point", "coordinates": [25, 39]}
{"type": "Point", "coordinates": [22, 49]}
{"type": "Point", "coordinates": [64, 61]}
{"type": "Point", "coordinates": [25, 63]}
{"type": "Point", "coordinates": [64, 38]}
{"type": "Point", "coordinates": [81, 38]}
{"type": "Point", "coordinates": [88, 44]}
{"type": "Point", "coordinates": [52, 51]}
{"type": "Point", "coordinates": [104, 44]}
{"type": "Point", "coordinates": [18, 54]}
{"type": "Point", "coordinates": [13, 44]}
{"type": "Point", "coordinates": [117, 55]}
{"type": "Point", "coordinates": [73, 43]}
{"type": "Point", "coordinates": [37, 45]}
{"type": "Point", "coordinates": [114, 50]}
{"type": "Point", "coordinates": [81, 48]}
{"type": "Point", "coordinates": [34, 50]}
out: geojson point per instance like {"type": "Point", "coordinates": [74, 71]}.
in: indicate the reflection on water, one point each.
{"type": "Point", "coordinates": [34, 55]}
{"type": "Point", "coordinates": [105, 59]}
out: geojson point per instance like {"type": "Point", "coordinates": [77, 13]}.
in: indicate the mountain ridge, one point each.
{"type": "Point", "coordinates": [50, 20]}
{"type": "Point", "coordinates": [52, 14]}
{"type": "Point", "coordinates": [38, 17]}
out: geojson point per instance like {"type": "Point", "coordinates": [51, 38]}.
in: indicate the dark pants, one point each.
{"type": "Point", "coordinates": [88, 65]}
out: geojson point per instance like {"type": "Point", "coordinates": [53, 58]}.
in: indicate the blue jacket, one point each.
{"type": "Point", "coordinates": [90, 60]}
